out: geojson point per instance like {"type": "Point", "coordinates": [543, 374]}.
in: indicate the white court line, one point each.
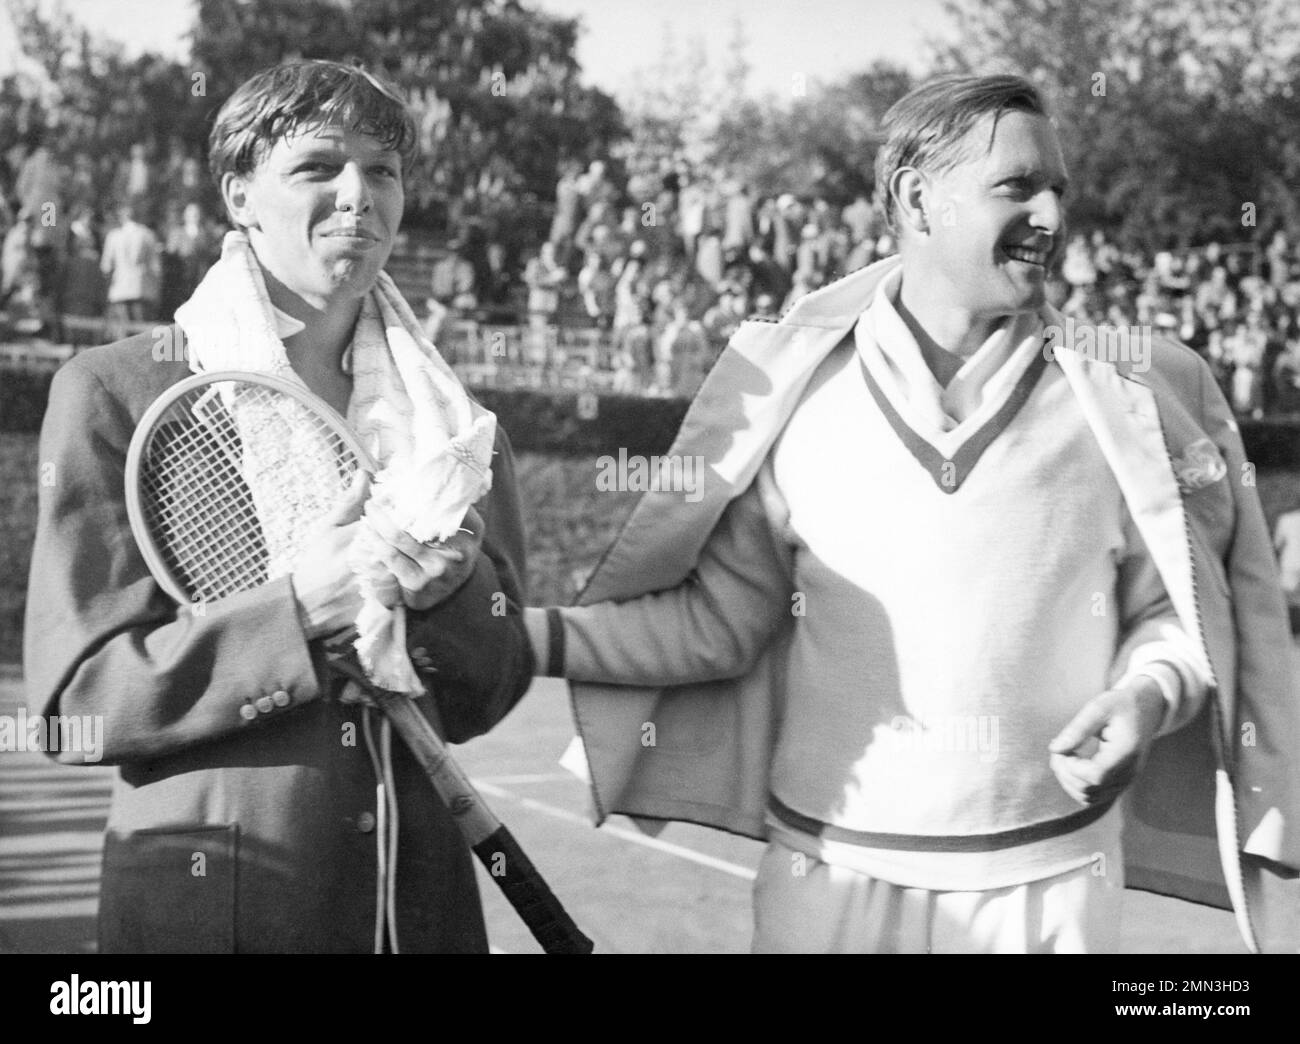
{"type": "Point", "coordinates": [680, 851]}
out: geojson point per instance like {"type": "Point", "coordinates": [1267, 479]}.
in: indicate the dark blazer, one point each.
{"type": "Point", "coordinates": [228, 834]}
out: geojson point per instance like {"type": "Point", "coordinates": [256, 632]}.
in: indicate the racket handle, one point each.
{"type": "Point", "coordinates": [496, 848]}
{"type": "Point", "coordinates": [530, 895]}
{"type": "Point", "coordinates": [471, 813]}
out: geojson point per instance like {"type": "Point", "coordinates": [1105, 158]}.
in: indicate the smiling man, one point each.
{"type": "Point", "coordinates": [255, 809]}
{"type": "Point", "coordinates": [949, 591]}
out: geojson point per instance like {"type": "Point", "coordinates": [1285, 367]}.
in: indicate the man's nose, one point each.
{"type": "Point", "coordinates": [1049, 213]}
{"type": "Point", "coordinates": [352, 191]}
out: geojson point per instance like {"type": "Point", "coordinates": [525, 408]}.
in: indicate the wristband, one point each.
{"type": "Point", "coordinates": [555, 643]}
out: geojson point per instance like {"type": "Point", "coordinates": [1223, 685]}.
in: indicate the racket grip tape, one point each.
{"type": "Point", "coordinates": [532, 898]}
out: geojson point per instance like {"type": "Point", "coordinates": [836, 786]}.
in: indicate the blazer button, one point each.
{"type": "Point", "coordinates": [248, 712]}
{"type": "Point", "coordinates": [265, 704]}
{"type": "Point", "coordinates": [281, 698]}
{"type": "Point", "coordinates": [366, 822]}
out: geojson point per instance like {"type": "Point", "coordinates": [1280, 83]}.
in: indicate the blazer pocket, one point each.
{"type": "Point", "coordinates": [169, 890]}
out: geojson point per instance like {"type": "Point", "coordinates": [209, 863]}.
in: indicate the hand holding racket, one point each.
{"type": "Point", "coordinates": [323, 582]}
{"type": "Point", "coordinates": [229, 477]}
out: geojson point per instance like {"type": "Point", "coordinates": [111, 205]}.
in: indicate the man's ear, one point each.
{"type": "Point", "coordinates": [910, 190]}
{"type": "Point", "coordinates": [234, 193]}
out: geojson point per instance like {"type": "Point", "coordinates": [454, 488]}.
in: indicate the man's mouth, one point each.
{"type": "Point", "coordinates": [1026, 254]}
{"type": "Point", "coordinates": [351, 232]}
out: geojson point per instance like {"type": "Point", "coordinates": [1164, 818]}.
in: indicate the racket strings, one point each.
{"type": "Point", "coordinates": [234, 479]}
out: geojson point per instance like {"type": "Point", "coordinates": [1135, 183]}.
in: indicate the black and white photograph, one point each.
{"type": "Point", "coordinates": [651, 477]}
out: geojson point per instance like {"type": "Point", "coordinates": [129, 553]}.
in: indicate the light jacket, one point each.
{"type": "Point", "coordinates": [1225, 785]}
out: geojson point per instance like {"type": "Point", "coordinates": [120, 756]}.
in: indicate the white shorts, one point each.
{"type": "Point", "coordinates": [802, 905]}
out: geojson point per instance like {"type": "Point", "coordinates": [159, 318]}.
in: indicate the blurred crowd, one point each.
{"type": "Point", "coordinates": [665, 261]}
{"type": "Point", "coordinates": [122, 237]}
{"type": "Point", "coordinates": [1238, 306]}
{"type": "Point", "coordinates": [671, 265]}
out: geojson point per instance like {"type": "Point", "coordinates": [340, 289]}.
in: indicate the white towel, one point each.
{"type": "Point", "coordinates": [432, 443]}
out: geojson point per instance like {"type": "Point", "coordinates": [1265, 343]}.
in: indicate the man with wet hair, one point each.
{"type": "Point", "coordinates": [255, 808]}
{"type": "Point", "coordinates": [971, 627]}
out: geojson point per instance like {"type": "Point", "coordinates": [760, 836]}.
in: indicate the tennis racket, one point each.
{"type": "Point", "coordinates": [227, 475]}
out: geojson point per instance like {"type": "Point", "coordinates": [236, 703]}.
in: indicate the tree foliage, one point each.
{"type": "Point", "coordinates": [821, 140]}
{"type": "Point", "coordinates": [1170, 110]}
{"type": "Point", "coordinates": [824, 143]}
{"type": "Point", "coordinates": [494, 86]}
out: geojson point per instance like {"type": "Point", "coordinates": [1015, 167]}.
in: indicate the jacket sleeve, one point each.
{"type": "Point", "coordinates": [1266, 734]}
{"type": "Point", "coordinates": [1152, 640]}
{"type": "Point", "coordinates": [713, 625]}
{"type": "Point", "coordinates": [101, 638]}
{"type": "Point", "coordinates": [471, 650]}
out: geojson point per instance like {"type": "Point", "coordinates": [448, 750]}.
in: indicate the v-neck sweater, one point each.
{"type": "Point", "coordinates": [951, 624]}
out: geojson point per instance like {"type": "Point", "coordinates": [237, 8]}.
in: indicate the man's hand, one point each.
{"type": "Point", "coordinates": [426, 574]}
{"type": "Point", "coordinates": [1101, 751]}
{"type": "Point", "coordinates": [323, 582]}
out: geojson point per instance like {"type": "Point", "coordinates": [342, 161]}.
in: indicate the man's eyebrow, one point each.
{"type": "Point", "coordinates": [327, 151]}
{"type": "Point", "coordinates": [1029, 174]}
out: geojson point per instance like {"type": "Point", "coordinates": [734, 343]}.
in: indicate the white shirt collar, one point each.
{"type": "Point", "coordinates": [285, 324]}
{"type": "Point", "coordinates": [984, 374]}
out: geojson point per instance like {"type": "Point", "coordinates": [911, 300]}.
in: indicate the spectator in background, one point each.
{"type": "Point", "coordinates": [709, 259]}
{"type": "Point", "coordinates": [20, 291]}
{"type": "Point", "coordinates": [596, 285]}
{"type": "Point", "coordinates": [724, 317]}
{"type": "Point", "coordinates": [682, 355]}
{"type": "Point", "coordinates": [83, 189]}
{"type": "Point", "coordinates": [135, 177]}
{"type": "Point", "coordinates": [629, 303]}
{"type": "Point", "coordinates": [1216, 295]}
{"type": "Point", "coordinates": [859, 218]}
{"type": "Point", "coordinates": [738, 229]}
{"type": "Point", "coordinates": [1246, 349]}
{"type": "Point", "coordinates": [453, 282]}
{"type": "Point", "coordinates": [40, 192]}
{"type": "Point", "coordinates": [191, 248]}
{"type": "Point", "coordinates": [1278, 256]}
{"type": "Point", "coordinates": [16, 255]}
{"type": "Point", "coordinates": [40, 178]}
{"type": "Point", "coordinates": [770, 279]}
{"type": "Point", "coordinates": [1286, 376]}
{"type": "Point", "coordinates": [861, 255]}
{"type": "Point", "coordinates": [787, 220]}
{"type": "Point", "coordinates": [568, 205]}
{"type": "Point", "coordinates": [83, 287]}
{"type": "Point", "coordinates": [596, 187]}
{"type": "Point", "coordinates": [1286, 542]}
{"type": "Point", "coordinates": [692, 202]}
{"type": "Point", "coordinates": [544, 276]}
{"type": "Point", "coordinates": [132, 263]}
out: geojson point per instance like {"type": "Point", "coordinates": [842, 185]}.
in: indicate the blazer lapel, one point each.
{"type": "Point", "coordinates": [1125, 421]}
